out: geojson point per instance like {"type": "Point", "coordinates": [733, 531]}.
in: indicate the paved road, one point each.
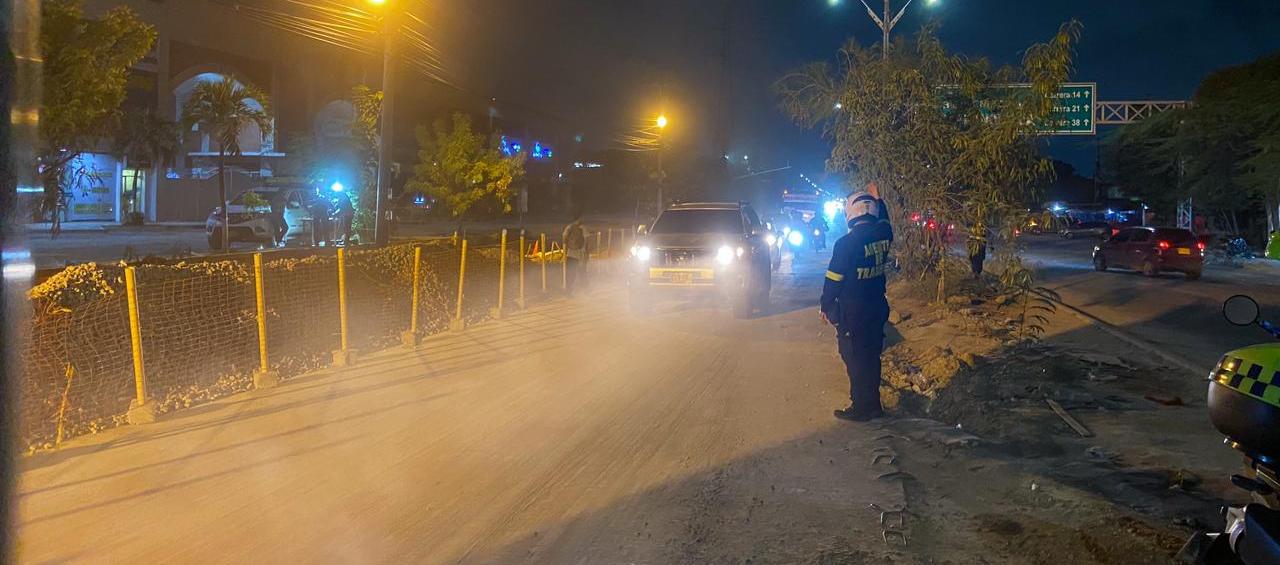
{"type": "Point", "coordinates": [113, 245]}
{"type": "Point", "coordinates": [572, 433]}
{"type": "Point", "coordinates": [1183, 317]}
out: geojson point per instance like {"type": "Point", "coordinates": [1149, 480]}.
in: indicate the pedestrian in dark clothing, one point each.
{"type": "Point", "coordinates": [343, 214]}
{"type": "Point", "coordinates": [575, 253]}
{"type": "Point", "coordinates": [853, 300]}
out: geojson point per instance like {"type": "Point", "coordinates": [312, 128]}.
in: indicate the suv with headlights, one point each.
{"type": "Point", "coordinates": [706, 246]}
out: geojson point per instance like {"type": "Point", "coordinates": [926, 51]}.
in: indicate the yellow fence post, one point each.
{"type": "Point", "coordinates": [458, 324]}
{"type": "Point", "coordinates": [542, 254]}
{"type": "Point", "coordinates": [344, 356]}
{"type": "Point", "coordinates": [520, 299]}
{"type": "Point", "coordinates": [141, 411]}
{"type": "Point", "coordinates": [564, 266]}
{"type": "Point", "coordinates": [609, 242]}
{"type": "Point", "coordinates": [410, 337]}
{"type": "Point", "coordinates": [502, 275]}
{"type": "Point", "coordinates": [264, 377]}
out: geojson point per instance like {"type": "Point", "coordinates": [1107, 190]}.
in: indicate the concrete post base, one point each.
{"type": "Point", "coordinates": [139, 414]}
{"type": "Point", "coordinates": [457, 325]}
{"type": "Point", "coordinates": [409, 339]}
{"type": "Point", "coordinates": [495, 313]}
{"type": "Point", "coordinates": [343, 358]}
{"type": "Point", "coordinates": [265, 379]}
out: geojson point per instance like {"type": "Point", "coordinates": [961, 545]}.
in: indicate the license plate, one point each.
{"type": "Point", "coordinates": [682, 277]}
{"type": "Point", "coordinates": [1184, 251]}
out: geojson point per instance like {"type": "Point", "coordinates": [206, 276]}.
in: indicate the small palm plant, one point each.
{"type": "Point", "coordinates": [223, 108]}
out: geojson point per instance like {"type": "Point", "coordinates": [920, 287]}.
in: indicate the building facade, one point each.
{"type": "Point", "coordinates": [308, 83]}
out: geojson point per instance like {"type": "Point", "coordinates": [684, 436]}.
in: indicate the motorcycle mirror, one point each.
{"type": "Point", "coordinates": [1241, 310]}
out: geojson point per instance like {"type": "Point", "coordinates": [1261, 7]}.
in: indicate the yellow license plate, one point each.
{"type": "Point", "coordinates": [682, 277]}
{"type": "Point", "coordinates": [1184, 251]}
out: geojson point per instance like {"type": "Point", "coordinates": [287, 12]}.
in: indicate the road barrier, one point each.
{"type": "Point", "coordinates": [110, 344]}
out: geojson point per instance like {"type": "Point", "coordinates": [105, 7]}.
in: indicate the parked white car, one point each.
{"type": "Point", "coordinates": [255, 216]}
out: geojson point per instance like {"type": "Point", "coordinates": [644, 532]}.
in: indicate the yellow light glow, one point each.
{"type": "Point", "coordinates": [377, 2]}
{"type": "Point", "coordinates": [662, 121]}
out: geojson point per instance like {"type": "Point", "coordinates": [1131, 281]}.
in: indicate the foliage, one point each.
{"type": "Point", "coordinates": [144, 137]}
{"type": "Point", "coordinates": [1223, 151]}
{"type": "Point", "coordinates": [365, 143]}
{"type": "Point", "coordinates": [221, 108]}
{"type": "Point", "coordinates": [1036, 302]}
{"type": "Point", "coordinates": [938, 132]}
{"type": "Point", "coordinates": [86, 66]}
{"type": "Point", "coordinates": [463, 170]}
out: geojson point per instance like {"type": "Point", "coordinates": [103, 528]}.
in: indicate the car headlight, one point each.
{"type": "Point", "coordinates": [816, 233]}
{"type": "Point", "coordinates": [771, 239]}
{"type": "Point", "coordinates": [786, 230]}
{"type": "Point", "coordinates": [641, 252]}
{"type": "Point", "coordinates": [739, 251]}
{"type": "Point", "coordinates": [795, 238]}
{"type": "Point", "coordinates": [724, 255]}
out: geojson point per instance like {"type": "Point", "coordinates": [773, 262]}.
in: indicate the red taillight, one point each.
{"type": "Point", "coordinates": [1114, 231]}
{"type": "Point", "coordinates": [932, 224]}
{"type": "Point", "coordinates": [1163, 245]}
{"type": "Point", "coordinates": [915, 217]}
{"type": "Point", "coordinates": [1200, 245]}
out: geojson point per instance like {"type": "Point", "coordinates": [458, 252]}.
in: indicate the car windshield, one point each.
{"type": "Point", "coordinates": [699, 221]}
{"type": "Point", "coordinates": [1176, 236]}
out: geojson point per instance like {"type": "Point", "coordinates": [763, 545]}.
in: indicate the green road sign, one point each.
{"type": "Point", "coordinates": [1072, 110]}
{"type": "Point", "coordinates": [1072, 106]}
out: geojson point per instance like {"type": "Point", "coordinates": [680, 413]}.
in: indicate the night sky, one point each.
{"type": "Point", "coordinates": [606, 64]}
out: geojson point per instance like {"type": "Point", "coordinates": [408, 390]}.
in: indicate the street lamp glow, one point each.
{"type": "Point", "coordinates": [662, 121]}
{"type": "Point", "coordinates": [336, 186]}
{"type": "Point", "coordinates": [377, 2]}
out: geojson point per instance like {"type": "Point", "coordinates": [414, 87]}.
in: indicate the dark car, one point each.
{"type": "Point", "coordinates": [709, 246]}
{"type": "Point", "coordinates": [1097, 230]}
{"type": "Point", "coordinates": [1152, 251]}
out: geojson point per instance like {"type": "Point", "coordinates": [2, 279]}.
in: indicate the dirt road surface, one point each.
{"type": "Point", "coordinates": [570, 434]}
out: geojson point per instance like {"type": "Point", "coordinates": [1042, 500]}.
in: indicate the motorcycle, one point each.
{"type": "Point", "coordinates": [1245, 407]}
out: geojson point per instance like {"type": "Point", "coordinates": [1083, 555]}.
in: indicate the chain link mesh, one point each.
{"type": "Point", "coordinates": [198, 322]}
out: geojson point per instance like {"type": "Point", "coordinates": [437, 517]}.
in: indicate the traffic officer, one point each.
{"type": "Point", "coordinates": [853, 301]}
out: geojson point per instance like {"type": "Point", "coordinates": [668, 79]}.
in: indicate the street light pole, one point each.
{"type": "Point", "coordinates": [381, 233]}
{"type": "Point", "coordinates": [886, 23]}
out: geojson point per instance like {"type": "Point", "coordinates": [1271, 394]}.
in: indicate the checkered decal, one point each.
{"type": "Point", "coordinates": [1251, 379]}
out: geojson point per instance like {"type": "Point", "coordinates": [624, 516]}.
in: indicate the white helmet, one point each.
{"type": "Point", "coordinates": [861, 204]}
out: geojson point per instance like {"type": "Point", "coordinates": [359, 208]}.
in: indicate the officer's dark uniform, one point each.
{"type": "Point", "coordinates": [853, 299]}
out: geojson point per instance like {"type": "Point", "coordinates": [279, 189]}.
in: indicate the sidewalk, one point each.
{"type": "Point", "coordinates": [43, 227]}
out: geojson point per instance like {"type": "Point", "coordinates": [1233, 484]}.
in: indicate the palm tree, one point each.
{"type": "Point", "coordinates": [222, 109]}
{"type": "Point", "coordinates": [147, 138]}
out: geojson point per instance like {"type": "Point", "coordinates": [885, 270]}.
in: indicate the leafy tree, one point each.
{"type": "Point", "coordinates": [146, 138]}
{"type": "Point", "coordinates": [86, 67]}
{"type": "Point", "coordinates": [938, 132]}
{"type": "Point", "coordinates": [464, 170]}
{"type": "Point", "coordinates": [1223, 151]}
{"type": "Point", "coordinates": [365, 142]}
{"type": "Point", "coordinates": [222, 109]}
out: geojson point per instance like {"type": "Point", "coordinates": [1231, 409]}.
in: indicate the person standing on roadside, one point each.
{"type": "Point", "coordinates": [853, 300]}
{"type": "Point", "coordinates": [575, 253]}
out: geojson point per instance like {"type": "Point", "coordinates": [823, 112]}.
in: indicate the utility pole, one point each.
{"type": "Point", "coordinates": [381, 232]}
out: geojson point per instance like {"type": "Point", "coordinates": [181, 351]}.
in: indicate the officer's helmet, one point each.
{"type": "Point", "coordinates": [862, 204]}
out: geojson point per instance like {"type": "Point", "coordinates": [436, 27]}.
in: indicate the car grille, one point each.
{"type": "Point", "coordinates": [683, 257]}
